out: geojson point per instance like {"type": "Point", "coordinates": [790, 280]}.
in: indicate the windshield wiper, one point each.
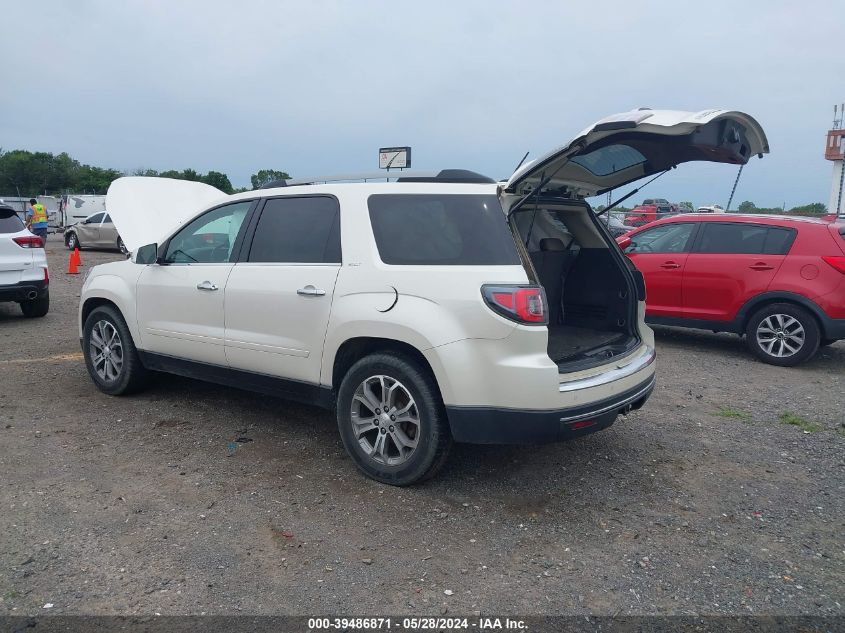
{"type": "Point", "coordinates": [179, 250]}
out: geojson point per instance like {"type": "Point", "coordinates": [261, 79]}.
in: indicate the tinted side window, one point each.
{"type": "Point", "coordinates": [441, 229]}
{"type": "Point", "coordinates": [749, 239]}
{"type": "Point", "coordinates": [95, 219]}
{"type": "Point", "coordinates": [669, 238]}
{"type": "Point", "coordinates": [209, 239]}
{"type": "Point", "coordinates": [9, 221]}
{"type": "Point", "coordinates": [107, 218]}
{"type": "Point", "coordinates": [778, 241]}
{"type": "Point", "coordinates": [298, 230]}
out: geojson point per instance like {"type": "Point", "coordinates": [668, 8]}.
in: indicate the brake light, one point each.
{"type": "Point", "coordinates": [837, 262]}
{"type": "Point", "coordinates": [46, 277]}
{"type": "Point", "coordinates": [28, 241]}
{"type": "Point", "coordinates": [524, 304]}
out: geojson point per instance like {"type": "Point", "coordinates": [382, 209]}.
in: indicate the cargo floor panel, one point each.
{"type": "Point", "coordinates": [566, 341]}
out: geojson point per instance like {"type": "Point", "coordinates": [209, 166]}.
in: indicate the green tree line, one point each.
{"type": "Point", "coordinates": [814, 208]}
{"type": "Point", "coordinates": [24, 173]}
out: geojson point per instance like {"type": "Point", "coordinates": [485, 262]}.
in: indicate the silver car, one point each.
{"type": "Point", "coordinates": [95, 231]}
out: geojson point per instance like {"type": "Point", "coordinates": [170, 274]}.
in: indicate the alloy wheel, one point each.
{"type": "Point", "coordinates": [106, 350]}
{"type": "Point", "coordinates": [385, 420]}
{"type": "Point", "coordinates": [781, 335]}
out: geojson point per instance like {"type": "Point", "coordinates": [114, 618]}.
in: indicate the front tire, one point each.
{"type": "Point", "coordinates": [35, 308]}
{"type": "Point", "coordinates": [783, 334]}
{"type": "Point", "coordinates": [110, 354]}
{"type": "Point", "coordinates": [72, 241]}
{"type": "Point", "coordinates": [121, 246]}
{"type": "Point", "coordinates": [392, 420]}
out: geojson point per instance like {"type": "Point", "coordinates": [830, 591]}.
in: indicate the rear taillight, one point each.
{"type": "Point", "coordinates": [46, 277]}
{"type": "Point", "coordinates": [524, 304]}
{"type": "Point", "coordinates": [29, 241]}
{"type": "Point", "coordinates": [837, 262]}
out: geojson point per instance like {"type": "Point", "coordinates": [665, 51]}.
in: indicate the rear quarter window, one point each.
{"type": "Point", "coordinates": [737, 238]}
{"type": "Point", "coordinates": [441, 230]}
{"type": "Point", "coordinates": [9, 221]}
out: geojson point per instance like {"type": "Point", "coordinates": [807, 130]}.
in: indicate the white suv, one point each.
{"type": "Point", "coordinates": [23, 266]}
{"type": "Point", "coordinates": [434, 308]}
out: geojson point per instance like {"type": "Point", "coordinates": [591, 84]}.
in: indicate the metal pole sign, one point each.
{"type": "Point", "coordinates": [394, 157]}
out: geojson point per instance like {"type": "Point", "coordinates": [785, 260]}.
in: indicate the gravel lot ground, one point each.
{"type": "Point", "coordinates": [706, 501]}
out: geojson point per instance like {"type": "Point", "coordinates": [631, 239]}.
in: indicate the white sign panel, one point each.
{"type": "Point", "coordinates": [394, 157]}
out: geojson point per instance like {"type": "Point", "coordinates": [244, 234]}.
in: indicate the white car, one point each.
{"type": "Point", "coordinates": [23, 266]}
{"type": "Point", "coordinates": [434, 308]}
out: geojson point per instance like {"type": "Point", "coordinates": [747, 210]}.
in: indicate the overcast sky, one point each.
{"type": "Point", "coordinates": [315, 87]}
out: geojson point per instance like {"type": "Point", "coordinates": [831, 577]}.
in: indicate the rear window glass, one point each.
{"type": "Point", "coordinates": [304, 230]}
{"type": "Point", "coordinates": [9, 221]}
{"type": "Point", "coordinates": [750, 239]}
{"type": "Point", "coordinates": [441, 230]}
{"type": "Point", "coordinates": [778, 241]}
{"type": "Point", "coordinates": [610, 159]}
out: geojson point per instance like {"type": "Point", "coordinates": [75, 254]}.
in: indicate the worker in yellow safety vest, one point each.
{"type": "Point", "coordinates": [36, 219]}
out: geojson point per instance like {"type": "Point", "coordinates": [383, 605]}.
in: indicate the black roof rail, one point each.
{"type": "Point", "coordinates": [444, 175]}
{"type": "Point", "coordinates": [450, 175]}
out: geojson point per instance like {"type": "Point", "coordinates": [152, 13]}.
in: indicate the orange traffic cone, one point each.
{"type": "Point", "coordinates": [73, 264]}
{"type": "Point", "coordinates": [77, 256]}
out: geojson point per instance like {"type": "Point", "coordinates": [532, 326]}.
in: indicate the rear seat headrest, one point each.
{"type": "Point", "coordinates": [552, 244]}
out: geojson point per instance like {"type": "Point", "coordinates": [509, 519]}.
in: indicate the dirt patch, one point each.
{"type": "Point", "coordinates": [141, 505]}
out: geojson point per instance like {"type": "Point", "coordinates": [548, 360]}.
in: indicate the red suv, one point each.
{"type": "Point", "coordinates": [778, 280]}
{"type": "Point", "coordinates": [648, 211]}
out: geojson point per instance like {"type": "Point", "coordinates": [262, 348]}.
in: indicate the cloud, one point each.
{"type": "Point", "coordinates": [317, 87]}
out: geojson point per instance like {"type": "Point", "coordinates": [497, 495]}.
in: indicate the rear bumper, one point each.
{"type": "Point", "coordinates": [23, 290]}
{"type": "Point", "coordinates": [481, 425]}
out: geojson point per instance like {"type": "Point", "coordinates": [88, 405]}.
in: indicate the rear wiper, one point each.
{"type": "Point", "coordinates": [631, 193]}
{"type": "Point", "coordinates": [536, 191]}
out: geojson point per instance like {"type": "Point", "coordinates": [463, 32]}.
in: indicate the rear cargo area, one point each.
{"type": "Point", "coordinates": [591, 308]}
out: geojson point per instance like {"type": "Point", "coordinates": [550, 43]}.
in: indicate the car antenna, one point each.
{"type": "Point", "coordinates": [631, 193]}
{"type": "Point", "coordinates": [736, 182]}
{"type": "Point", "coordinates": [515, 169]}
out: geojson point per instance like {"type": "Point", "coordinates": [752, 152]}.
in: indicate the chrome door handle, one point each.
{"type": "Point", "coordinates": [206, 285]}
{"type": "Point", "coordinates": [311, 291]}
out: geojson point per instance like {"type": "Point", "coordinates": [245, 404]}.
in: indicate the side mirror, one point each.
{"type": "Point", "coordinates": [147, 254]}
{"type": "Point", "coordinates": [624, 241]}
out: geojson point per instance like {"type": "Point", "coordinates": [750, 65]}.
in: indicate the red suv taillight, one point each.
{"type": "Point", "coordinates": [837, 262]}
{"type": "Point", "coordinates": [29, 241]}
{"type": "Point", "coordinates": [523, 304]}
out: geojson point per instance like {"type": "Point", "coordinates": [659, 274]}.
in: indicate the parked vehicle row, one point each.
{"type": "Point", "coordinates": [779, 281]}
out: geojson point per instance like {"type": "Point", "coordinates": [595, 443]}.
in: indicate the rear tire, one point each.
{"type": "Point", "coordinates": [783, 334]}
{"type": "Point", "coordinates": [34, 308]}
{"type": "Point", "coordinates": [121, 246]}
{"type": "Point", "coordinates": [408, 441]}
{"type": "Point", "coordinates": [110, 354]}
